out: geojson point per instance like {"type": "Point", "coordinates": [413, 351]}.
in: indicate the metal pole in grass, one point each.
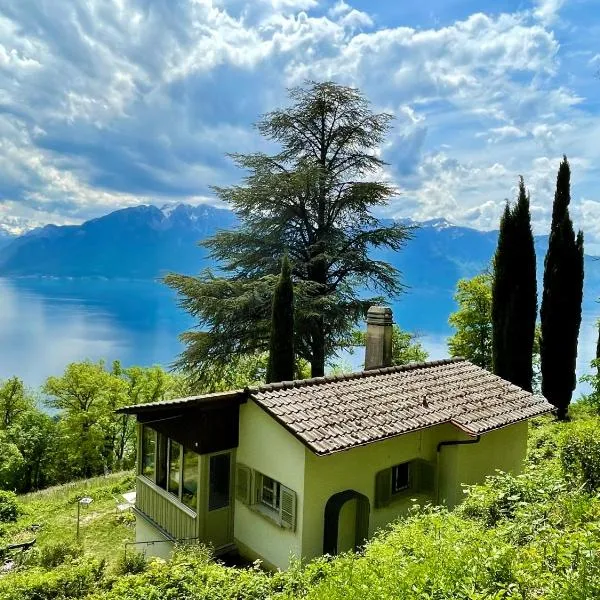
{"type": "Point", "coordinates": [85, 501]}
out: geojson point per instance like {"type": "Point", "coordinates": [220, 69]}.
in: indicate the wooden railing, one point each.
{"type": "Point", "coordinates": [177, 520]}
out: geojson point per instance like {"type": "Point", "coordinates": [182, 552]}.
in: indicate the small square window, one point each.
{"type": "Point", "coordinates": [400, 478]}
{"type": "Point", "coordinates": [269, 492]}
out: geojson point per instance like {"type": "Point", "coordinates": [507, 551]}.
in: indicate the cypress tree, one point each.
{"type": "Point", "coordinates": [501, 292]}
{"type": "Point", "coordinates": [281, 343]}
{"type": "Point", "coordinates": [514, 295]}
{"type": "Point", "coordinates": [561, 300]}
{"type": "Point", "coordinates": [522, 329]}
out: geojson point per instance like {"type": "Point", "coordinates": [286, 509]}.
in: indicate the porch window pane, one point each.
{"type": "Point", "coordinates": [189, 494]}
{"type": "Point", "coordinates": [148, 452]}
{"type": "Point", "coordinates": [174, 467]}
{"type": "Point", "coordinates": [218, 494]}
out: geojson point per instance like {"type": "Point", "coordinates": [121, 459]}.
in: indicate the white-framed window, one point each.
{"type": "Point", "coordinates": [269, 492]}
{"type": "Point", "coordinates": [266, 496]}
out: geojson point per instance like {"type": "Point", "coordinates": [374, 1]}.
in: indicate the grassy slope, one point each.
{"type": "Point", "coordinates": [103, 532]}
{"type": "Point", "coordinates": [533, 536]}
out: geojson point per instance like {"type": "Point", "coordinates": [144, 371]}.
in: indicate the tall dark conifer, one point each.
{"type": "Point", "coordinates": [561, 301]}
{"type": "Point", "coordinates": [281, 343]}
{"type": "Point", "coordinates": [501, 291]}
{"type": "Point", "coordinates": [514, 295]}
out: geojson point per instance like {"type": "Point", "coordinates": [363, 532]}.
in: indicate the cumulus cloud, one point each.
{"type": "Point", "coordinates": [109, 103]}
{"type": "Point", "coordinates": [547, 10]}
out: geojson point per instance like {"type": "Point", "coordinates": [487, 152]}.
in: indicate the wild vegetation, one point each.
{"type": "Point", "coordinates": [529, 536]}
{"type": "Point", "coordinates": [68, 429]}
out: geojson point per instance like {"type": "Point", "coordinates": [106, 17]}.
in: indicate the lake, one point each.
{"type": "Point", "coordinates": [47, 323]}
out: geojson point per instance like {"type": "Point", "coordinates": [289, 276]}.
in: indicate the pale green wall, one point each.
{"type": "Point", "coordinates": [356, 469]}
{"type": "Point", "coordinates": [267, 447]}
{"type": "Point", "coordinates": [503, 449]}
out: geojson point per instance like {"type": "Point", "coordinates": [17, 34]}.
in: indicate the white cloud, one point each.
{"type": "Point", "coordinates": [115, 102]}
{"type": "Point", "coordinates": [547, 10]}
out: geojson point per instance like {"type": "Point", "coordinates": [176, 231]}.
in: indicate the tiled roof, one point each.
{"type": "Point", "coordinates": [330, 414]}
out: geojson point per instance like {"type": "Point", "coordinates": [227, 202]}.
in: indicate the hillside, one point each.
{"type": "Point", "coordinates": [50, 517]}
{"type": "Point", "coordinates": [526, 537]}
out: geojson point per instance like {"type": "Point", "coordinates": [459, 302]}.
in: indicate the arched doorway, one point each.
{"type": "Point", "coordinates": [346, 522]}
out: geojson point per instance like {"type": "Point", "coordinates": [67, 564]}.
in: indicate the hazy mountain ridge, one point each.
{"type": "Point", "coordinates": [137, 242]}
{"type": "Point", "coordinates": [145, 242]}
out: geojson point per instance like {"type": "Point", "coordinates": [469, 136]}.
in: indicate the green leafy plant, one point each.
{"type": "Point", "coordinates": [9, 507]}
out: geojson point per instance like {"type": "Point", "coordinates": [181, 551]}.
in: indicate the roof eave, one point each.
{"type": "Point", "coordinates": [206, 400]}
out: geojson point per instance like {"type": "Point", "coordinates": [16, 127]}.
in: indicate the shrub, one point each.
{"type": "Point", "coordinates": [52, 555]}
{"type": "Point", "coordinates": [580, 454]}
{"type": "Point", "coordinates": [9, 507]}
{"type": "Point", "coordinates": [504, 494]}
{"type": "Point", "coordinates": [131, 563]}
{"type": "Point", "coordinates": [76, 580]}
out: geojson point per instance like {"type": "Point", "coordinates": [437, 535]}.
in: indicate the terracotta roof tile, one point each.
{"type": "Point", "coordinates": [330, 414]}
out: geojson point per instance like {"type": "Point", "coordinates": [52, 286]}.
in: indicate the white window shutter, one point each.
{"type": "Point", "coordinates": [287, 508]}
{"type": "Point", "coordinates": [243, 483]}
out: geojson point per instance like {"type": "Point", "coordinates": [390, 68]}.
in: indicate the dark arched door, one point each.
{"type": "Point", "coordinates": [346, 522]}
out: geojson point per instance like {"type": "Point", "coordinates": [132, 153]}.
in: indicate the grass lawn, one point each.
{"type": "Point", "coordinates": [50, 516]}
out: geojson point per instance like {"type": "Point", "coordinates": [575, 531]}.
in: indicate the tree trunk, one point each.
{"type": "Point", "coordinates": [317, 363]}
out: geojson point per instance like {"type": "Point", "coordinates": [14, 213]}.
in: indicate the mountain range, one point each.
{"type": "Point", "coordinates": [145, 242]}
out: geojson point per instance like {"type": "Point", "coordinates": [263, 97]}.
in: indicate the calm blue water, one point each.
{"type": "Point", "coordinates": [47, 323]}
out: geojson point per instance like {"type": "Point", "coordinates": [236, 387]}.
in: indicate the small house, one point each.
{"type": "Point", "coordinates": [303, 468]}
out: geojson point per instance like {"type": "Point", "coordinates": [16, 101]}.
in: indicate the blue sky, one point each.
{"type": "Point", "coordinates": [112, 103]}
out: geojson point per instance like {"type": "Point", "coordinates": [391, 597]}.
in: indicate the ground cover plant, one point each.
{"type": "Point", "coordinates": [529, 536]}
{"type": "Point", "coordinates": [50, 517]}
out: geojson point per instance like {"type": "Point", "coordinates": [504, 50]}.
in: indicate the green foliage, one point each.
{"type": "Point", "coordinates": [561, 299]}
{"type": "Point", "coordinates": [52, 555]}
{"type": "Point", "coordinates": [473, 321]}
{"type": "Point", "coordinates": [14, 400]}
{"type": "Point", "coordinates": [405, 345]}
{"type": "Point", "coordinates": [580, 454]}
{"type": "Point", "coordinates": [10, 463]}
{"type": "Point", "coordinates": [593, 379]}
{"type": "Point", "coordinates": [9, 508]}
{"type": "Point", "coordinates": [315, 200]}
{"type": "Point", "coordinates": [514, 295]}
{"type": "Point", "coordinates": [75, 580]}
{"type": "Point", "coordinates": [131, 563]}
{"type": "Point", "coordinates": [35, 435]}
{"type": "Point", "coordinates": [281, 339]}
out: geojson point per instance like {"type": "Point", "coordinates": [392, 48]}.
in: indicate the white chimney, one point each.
{"type": "Point", "coordinates": [378, 351]}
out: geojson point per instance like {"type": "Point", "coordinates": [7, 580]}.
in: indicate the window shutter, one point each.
{"type": "Point", "coordinates": [243, 483]}
{"type": "Point", "coordinates": [426, 478]}
{"type": "Point", "coordinates": [256, 490]}
{"type": "Point", "coordinates": [287, 508]}
{"type": "Point", "coordinates": [383, 488]}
